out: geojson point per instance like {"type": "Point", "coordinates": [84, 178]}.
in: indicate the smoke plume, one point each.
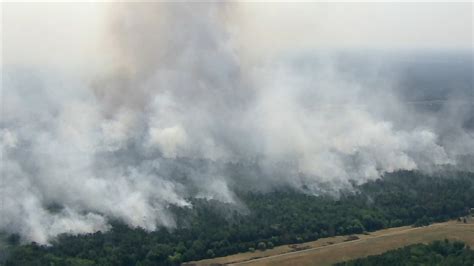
{"type": "Point", "coordinates": [187, 112]}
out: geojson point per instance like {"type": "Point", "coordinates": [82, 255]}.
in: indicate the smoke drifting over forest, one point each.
{"type": "Point", "coordinates": [188, 112]}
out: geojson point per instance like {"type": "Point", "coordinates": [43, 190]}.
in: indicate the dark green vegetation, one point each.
{"type": "Point", "coordinates": [436, 253]}
{"type": "Point", "coordinates": [210, 229]}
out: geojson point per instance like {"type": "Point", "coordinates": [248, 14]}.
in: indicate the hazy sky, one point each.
{"type": "Point", "coordinates": [74, 33]}
{"type": "Point", "coordinates": [118, 111]}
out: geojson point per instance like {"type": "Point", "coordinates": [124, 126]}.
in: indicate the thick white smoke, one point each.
{"type": "Point", "coordinates": [185, 116]}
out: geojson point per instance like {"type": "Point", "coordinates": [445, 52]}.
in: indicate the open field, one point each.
{"type": "Point", "coordinates": [330, 250]}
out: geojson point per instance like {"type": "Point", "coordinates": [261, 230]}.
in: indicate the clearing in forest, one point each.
{"type": "Point", "coordinates": [327, 251]}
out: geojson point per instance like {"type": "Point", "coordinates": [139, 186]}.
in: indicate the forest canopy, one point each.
{"type": "Point", "coordinates": [436, 253]}
{"type": "Point", "coordinates": [212, 229]}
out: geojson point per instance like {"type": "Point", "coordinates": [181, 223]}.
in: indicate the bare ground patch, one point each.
{"type": "Point", "coordinates": [330, 250]}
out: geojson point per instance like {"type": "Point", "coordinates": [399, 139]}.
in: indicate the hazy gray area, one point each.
{"type": "Point", "coordinates": [184, 109]}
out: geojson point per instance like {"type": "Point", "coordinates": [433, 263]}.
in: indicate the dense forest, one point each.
{"type": "Point", "coordinates": [264, 220]}
{"type": "Point", "coordinates": [436, 253]}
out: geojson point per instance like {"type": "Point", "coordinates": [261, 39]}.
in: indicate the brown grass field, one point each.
{"type": "Point", "coordinates": [328, 251]}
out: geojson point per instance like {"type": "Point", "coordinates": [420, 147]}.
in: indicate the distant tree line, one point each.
{"type": "Point", "coordinates": [212, 229]}
{"type": "Point", "coordinates": [436, 253]}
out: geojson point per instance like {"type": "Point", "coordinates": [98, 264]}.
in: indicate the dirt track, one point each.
{"type": "Point", "coordinates": [334, 249]}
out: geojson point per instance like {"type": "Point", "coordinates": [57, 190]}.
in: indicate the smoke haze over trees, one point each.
{"type": "Point", "coordinates": [214, 229]}
{"type": "Point", "coordinates": [185, 110]}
